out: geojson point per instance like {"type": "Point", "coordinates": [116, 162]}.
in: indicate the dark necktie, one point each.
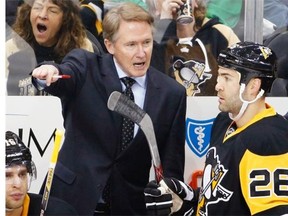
{"type": "Point", "coordinates": [127, 132]}
{"type": "Point", "coordinates": [128, 125]}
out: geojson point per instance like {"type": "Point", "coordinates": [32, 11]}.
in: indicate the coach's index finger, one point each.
{"type": "Point", "coordinates": [46, 72]}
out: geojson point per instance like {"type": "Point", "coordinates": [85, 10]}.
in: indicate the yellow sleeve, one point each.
{"type": "Point", "coordinates": [228, 33]}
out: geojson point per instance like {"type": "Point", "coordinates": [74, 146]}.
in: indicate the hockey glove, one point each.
{"type": "Point", "coordinates": [158, 201]}
{"type": "Point", "coordinates": [182, 195]}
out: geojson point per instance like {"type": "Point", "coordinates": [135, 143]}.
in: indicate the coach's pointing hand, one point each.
{"type": "Point", "coordinates": [46, 72]}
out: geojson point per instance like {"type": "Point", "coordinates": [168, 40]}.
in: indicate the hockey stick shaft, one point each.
{"type": "Point", "coordinates": [50, 174]}
{"type": "Point", "coordinates": [123, 105]}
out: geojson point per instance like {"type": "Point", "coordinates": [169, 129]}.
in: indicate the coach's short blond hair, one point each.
{"type": "Point", "coordinates": [124, 12]}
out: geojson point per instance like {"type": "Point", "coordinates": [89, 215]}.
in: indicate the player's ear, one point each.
{"type": "Point", "coordinates": [254, 85]}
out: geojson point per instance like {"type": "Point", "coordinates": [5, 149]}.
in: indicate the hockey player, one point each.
{"type": "Point", "coordinates": [246, 168]}
{"type": "Point", "coordinates": [20, 171]}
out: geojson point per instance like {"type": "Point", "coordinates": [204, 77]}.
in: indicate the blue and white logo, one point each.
{"type": "Point", "coordinates": [198, 135]}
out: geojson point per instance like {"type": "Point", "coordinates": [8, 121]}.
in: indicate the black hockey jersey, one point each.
{"type": "Point", "coordinates": [246, 169]}
{"type": "Point", "coordinates": [192, 62]}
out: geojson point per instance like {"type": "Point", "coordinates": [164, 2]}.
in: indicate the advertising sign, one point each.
{"type": "Point", "coordinates": [35, 119]}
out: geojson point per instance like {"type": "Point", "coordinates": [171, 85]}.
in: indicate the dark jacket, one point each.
{"type": "Point", "coordinates": [89, 155]}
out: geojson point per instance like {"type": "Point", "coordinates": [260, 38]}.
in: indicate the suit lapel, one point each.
{"type": "Point", "coordinates": [152, 94]}
{"type": "Point", "coordinates": [109, 82]}
{"type": "Point", "coordinates": [109, 75]}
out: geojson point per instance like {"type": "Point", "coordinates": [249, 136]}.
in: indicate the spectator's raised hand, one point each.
{"type": "Point", "coordinates": [170, 8]}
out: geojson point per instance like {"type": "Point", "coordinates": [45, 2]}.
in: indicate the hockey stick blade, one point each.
{"type": "Point", "coordinates": [121, 104]}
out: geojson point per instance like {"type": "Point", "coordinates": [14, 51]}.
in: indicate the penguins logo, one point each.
{"type": "Point", "coordinates": [212, 191]}
{"type": "Point", "coordinates": [191, 74]}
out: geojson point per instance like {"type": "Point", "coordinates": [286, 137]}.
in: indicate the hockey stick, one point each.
{"type": "Point", "coordinates": [51, 169]}
{"type": "Point", "coordinates": [123, 105]}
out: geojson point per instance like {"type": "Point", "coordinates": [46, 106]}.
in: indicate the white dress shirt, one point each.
{"type": "Point", "coordinates": [138, 89]}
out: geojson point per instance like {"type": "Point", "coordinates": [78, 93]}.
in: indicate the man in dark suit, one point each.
{"type": "Point", "coordinates": [20, 171]}
{"type": "Point", "coordinates": [90, 157]}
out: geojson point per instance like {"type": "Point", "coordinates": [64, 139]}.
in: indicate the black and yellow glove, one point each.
{"type": "Point", "coordinates": [158, 201]}
{"type": "Point", "coordinates": [169, 197]}
{"type": "Point", "coordinates": [182, 195]}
